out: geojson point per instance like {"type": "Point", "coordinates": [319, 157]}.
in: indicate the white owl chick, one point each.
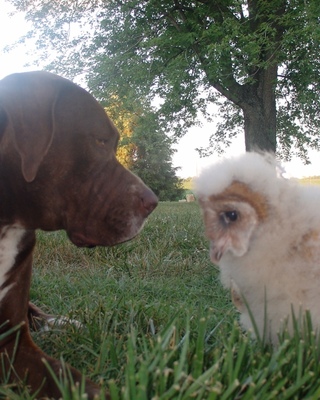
{"type": "Point", "coordinates": [264, 233]}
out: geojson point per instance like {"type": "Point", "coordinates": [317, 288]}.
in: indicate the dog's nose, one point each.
{"type": "Point", "coordinates": [149, 201]}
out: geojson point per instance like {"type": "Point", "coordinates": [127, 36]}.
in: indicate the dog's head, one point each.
{"type": "Point", "coordinates": [58, 166]}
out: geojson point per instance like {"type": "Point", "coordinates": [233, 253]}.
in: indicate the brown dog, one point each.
{"type": "Point", "coordinates": [58, 170]}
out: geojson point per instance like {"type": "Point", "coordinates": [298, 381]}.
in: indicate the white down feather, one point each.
{"type": "Point", "coordinates": [282, 263]}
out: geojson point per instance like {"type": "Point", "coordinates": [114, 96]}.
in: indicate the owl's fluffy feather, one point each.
{"type": "Point", "coordinates": [264, 232]}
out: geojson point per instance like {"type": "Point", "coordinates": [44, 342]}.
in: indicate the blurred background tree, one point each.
{"type": "Point", "coordinates": [256, 60]}
{"type": "Point", "coordinates": [145, 149]}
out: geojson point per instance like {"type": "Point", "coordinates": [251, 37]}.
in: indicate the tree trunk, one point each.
{"type": "Point", "coordinates": [259, 111]}
{"type": "Point", "coordinates": [260, 129]}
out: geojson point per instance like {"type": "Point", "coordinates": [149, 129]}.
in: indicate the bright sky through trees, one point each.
{"type": "Point", "coordinates": [186, 157]}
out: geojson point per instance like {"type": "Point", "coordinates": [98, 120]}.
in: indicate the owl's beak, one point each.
{"type": "Point", "coordinates": [215, 253]}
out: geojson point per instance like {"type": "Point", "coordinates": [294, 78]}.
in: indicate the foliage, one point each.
{"type": "Point", "coordinates": [260, 55]}
{"type": "Point", "coordinates": [187, 183]}
{"type": "Point", "coordinates": [157, 323]}
{"type": "Point", "coordinates": [126, 122]}
{"type": "Point", "coordinates": [145, 149]}
{"type": "Point", "coordinates": [153, 159]}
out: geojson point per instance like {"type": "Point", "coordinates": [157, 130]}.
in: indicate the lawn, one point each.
{"type": "Point", "coordinates": [312, 180]}
{"type": "Point", "coordinates": [157, 323]}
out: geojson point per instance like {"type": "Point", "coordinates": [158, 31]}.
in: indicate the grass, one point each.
{"type": "Point", "coordinates": [312, 180]}
{"type": "Point", "coordinates": [157, 323]}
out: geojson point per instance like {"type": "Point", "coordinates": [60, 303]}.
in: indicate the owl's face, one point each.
{"type": "Point", "coordinates": [230, 220]}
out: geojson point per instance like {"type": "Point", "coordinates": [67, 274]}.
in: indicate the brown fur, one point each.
{"type": "Point", "coordinates": [241, 192]}
{"type": "Point", "coordinates": [58, 170]}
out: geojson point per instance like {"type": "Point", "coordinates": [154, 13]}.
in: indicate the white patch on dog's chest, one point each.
{"type": "Point", "coordinates": [10, 237]}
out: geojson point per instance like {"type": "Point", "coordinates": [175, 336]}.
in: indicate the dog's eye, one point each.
{"type": "Point", "coordinates": [229, 216]}
{"type": "Point", "coordinates": [101, 142]}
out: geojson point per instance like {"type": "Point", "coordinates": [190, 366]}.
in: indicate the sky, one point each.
{"type": "Point", "coordinates": [186, 157]}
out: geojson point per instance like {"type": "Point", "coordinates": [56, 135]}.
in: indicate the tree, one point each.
{"type": "Point", "coordinates": [145, 149]}
{"type": "Point", "coordinates": [257, 59]}
{"type": "Point", "coordinates": [153, 162]}
{"type": "Point", "coordinates": [126, 123]}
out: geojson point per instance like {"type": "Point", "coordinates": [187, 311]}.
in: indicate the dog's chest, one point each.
{"type": "Point", "coordinates": [10, 237]}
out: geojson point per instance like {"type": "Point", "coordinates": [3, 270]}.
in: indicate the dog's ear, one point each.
{"type": "Point", "coordinates": [28, 100]}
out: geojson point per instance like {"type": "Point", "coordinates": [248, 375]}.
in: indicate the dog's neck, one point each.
{"type": "Point", "coordinates": [16, 245]}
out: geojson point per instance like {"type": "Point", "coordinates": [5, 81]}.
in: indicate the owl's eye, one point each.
{"type": "Point", "coordinates": [229, 216]}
